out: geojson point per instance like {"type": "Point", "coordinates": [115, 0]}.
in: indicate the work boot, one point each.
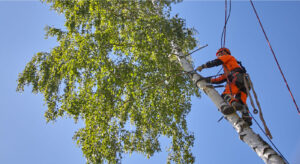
{"type": "Point", "coordinates": [247, 118]}
{"type": "Point", "coordinates": [237, 105]}
{"type": "Point", "coordinates": [227, 109]}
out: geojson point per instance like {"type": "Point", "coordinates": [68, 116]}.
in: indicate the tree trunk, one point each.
{"type": "Point", "coordinates": [246, 134]}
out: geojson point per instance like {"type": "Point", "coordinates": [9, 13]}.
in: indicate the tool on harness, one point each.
{"type": "Point", "coordinates": [255, 111]}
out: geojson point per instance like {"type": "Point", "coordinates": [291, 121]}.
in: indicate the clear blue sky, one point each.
{"type": "Point", "coordinates": [26, 138]}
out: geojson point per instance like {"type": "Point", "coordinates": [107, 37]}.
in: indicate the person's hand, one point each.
{"type": "Point", "coordinates": [207, 79]}
{"type": "Point", "coordinates": [200, 68]}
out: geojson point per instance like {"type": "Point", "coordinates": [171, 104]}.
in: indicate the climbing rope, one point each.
{"type": "Point", "coordinates": [269, 139]}
{"type": "Point", "coordinates": [223, 40]}
{"type": "Point", "coordinates": [223, 36]}
{"type": "Point", "coordinates": [266, 132]}
{"type": "Point", "coordinates": [246, 82]}
{"type": "Point", "coordinates": [225, 26]}
{"type": "Point", "coordinates": [282, 74]}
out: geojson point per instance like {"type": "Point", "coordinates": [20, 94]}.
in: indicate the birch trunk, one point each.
{"type": "Point", "coordinates": [246, 134]}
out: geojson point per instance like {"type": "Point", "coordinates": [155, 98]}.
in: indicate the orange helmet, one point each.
{"type": "Point", "coordinates": [223, 50]}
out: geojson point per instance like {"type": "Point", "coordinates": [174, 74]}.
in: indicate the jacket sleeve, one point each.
{"type": "Point", "coordinates": [218, 80]}
{"type": "Point", "coordinates": [213, 63]}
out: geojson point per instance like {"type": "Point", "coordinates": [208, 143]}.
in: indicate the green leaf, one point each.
{"type": "Point", "coordinates": [109, 70]}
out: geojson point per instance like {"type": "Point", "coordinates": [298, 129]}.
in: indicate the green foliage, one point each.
{"type": "Point", "coordinates": [110, 70]}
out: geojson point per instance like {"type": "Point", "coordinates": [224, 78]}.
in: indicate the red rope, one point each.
{"type": "Point", "coordinates": [287, 85]}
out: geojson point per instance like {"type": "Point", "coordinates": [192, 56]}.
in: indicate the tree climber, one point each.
{"type": "Point", "coordinates": [235, 92]}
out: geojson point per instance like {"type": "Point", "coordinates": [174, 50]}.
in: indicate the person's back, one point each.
{"type": "Point", "coordinates": [229, 63]}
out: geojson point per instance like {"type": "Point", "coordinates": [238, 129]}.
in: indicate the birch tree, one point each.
{"type": "Point", "coordinates": [114, 69]}
{"type": "Point", "coordinates": [120, 66]}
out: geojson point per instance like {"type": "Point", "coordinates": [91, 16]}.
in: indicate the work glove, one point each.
{"type": "Point", "coordinates": [200, 68]}
{"type": "Point", "coordinates": [207, 79]}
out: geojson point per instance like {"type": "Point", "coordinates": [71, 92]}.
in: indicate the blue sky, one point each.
{"type": "Point", "coordinates": [26, 138]}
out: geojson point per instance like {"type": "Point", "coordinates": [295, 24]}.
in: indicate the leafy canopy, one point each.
{"type": "Point", "coordinates": [114, 69]}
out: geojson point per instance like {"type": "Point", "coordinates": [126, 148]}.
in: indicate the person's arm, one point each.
{"type": "Point", "coordinates": [218, 80]}
{"type": "Point", "coordinates": [210, 64]}
{"type": "Point", "coordinates": [213, 63]}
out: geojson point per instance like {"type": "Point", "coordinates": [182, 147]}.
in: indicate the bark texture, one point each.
{"type": "Point", "coordinates": [246, 134]}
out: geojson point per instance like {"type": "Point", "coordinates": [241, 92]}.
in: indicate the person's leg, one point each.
{"type": "Point", "coordinates": [245, 115]}
{"type": "Point", "coordinates": [227, 109]}
{"type": "Point", "coordinates": [242, 97]}
{"type": "Point", "coordinates": [229, 95]}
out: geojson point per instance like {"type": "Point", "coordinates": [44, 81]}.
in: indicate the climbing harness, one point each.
{"type": "Point", "coordinates": [282, 74]}
{"type": "Point", "coordinates": [249, 85]}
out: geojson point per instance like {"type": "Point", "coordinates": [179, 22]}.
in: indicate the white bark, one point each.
{"type": "Point", "coordinates": [246, 134]}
